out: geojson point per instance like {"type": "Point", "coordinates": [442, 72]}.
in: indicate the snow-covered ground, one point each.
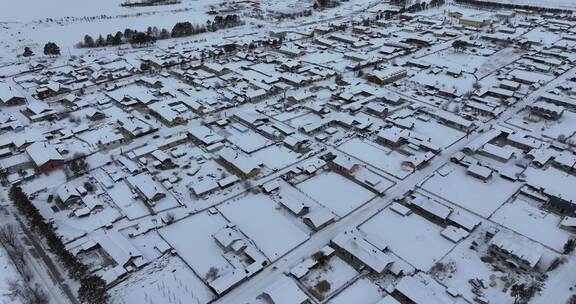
{"type": "Point", "coordinates": [343, 197]}
{"type": "Point", "coordinates": [180, 173]}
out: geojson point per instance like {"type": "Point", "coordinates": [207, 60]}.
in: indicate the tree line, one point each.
{"type": "Point", "coordinates": [502, 5]}
{"type": "Point", "coordinates": [152, 34]}
{"type": "Point", "coordinates": [149, 3]}
{"type": "Point", "coordinates": [92, 287]}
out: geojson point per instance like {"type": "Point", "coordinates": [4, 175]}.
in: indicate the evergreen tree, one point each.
{"type": "Point", "coordinates": [89, 41]}
{"type": "Point", "coordinates": [28, 52]}
{"type": "Point", "coordinates": [51, 48]}
{"type": "Point", "coordinates": [92, 290]}
{"type": "Point", "coordinates": [182, 29]}
{"type": "Point", "coordinates": [117, 39]}
{"type": "Point", "coordinates": [140, 38]}
{"type": "Point", "coordinates": [128, 33]}
{"type": "Point", "coordinates": [100, 41]}
{"type": "Point", "coordinates": [164, 34]}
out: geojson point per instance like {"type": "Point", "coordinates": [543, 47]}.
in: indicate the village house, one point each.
{"type": "Point", "coordinates": [45, 156]}
{"type": "Point", "coordinates": [297, 143]}
{"type": "Point", "coordinates": [10, 96]}
{"type": "Point", "coordinates": [389, 75]}
{"type": "Point", "coordinates": [546, 110]}
{"type": "Point", "coordinates": [473, 22]}
{"type": "Point", "coordinates": [242, 165]}
{"type": "Point", "coordinates": [517, 251]}
{"type": "Point", "coordinates": [149, 190]}
{"type": "Point", "coordinates": [343, 165]}
{"type": "Point", "coordinates": [480, 172]}
{"type": "Point", "coordinates": [356, 249]}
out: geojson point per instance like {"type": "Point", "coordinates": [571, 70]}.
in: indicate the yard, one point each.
{"type": "Point", "coordinates": [386, 160]}
{"type": "Point", "coordinates": [257, 217]}
{"type": "Point", "coordinates": [407, 235]}
{"type": "Point", "coordinates": [193, 241]}
{"type": "Point", "coordinates": [276, 157]}
{"type": "Point", "coordinates": [336, 192]}
{"type": "Point", "coordinates": [166, 280]}
{"type": "Point", "coordinates": [455, 185]}
{"type": "Point", "coordinates": [522, 216]}
{"type": "Point", "coordinates": [336, 273]}
{"type": "Point", "coordinates": [361, 291]}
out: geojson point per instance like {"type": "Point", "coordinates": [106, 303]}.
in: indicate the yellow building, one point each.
{"type": "Point", "coordinates": [473, 22]}
{"type": "Point", "coordinates": [452, 14]}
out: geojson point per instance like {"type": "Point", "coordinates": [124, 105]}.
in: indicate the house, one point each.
{"type": "Point", "coordinates": [242, 165]}
{"type": "Point", "coordinates": [10, 96]}
{"type": "Point", "coordinates": [284, 291]}
{"type": "Point", "coordinates": [251, 118]}
{"type": "Point", "coordinates": [68, 194]}
{"type": "Point", "coordinates": [215, 68]}
{"type": "Point", "coordinates": [37, 111]}
{"type": "Point", "coordinates": [568, 223]}
{"type": "Point", "coordinates": [473, 22]}
{"type": "Point", "coordinates": [45, 156]}
{"type": "Point", "coordinates": [297, 143]}
{"type": "Point", "coordinates": [546, 110]}
{"type": "Point", "coordinates": [166, 113]}
{"type": "Point", "coordinates": [454, 14]}
{"type": "Point", "coordinates": [352, 245]}
{"type": "Point", "coordinates": [502, 154]}
{"type": "Point", "coordinates": [480, 172]}
{"type": "Point", "coordinates": [290, 51]}
{"type": "Point", "coordinates": [294, 205]}
{"type": "Point", "coordinates": [392, 136]}
{"type": "Point", "coordinates": [389, 75]}
{"type": "Point", "coordinates": [124, 257]}
{"type": "Point", "coordinates": [318, 218]}
{"type": "Point", "coordinates": [204, 187]}
{"type": "Point", "coordinates": [135, 127]}
{"type": "Point", "coordinates": [344, 165]}
{"type": "Point", "coordinates": [50, 90]}
{"type": "Point", "coordinates": [418, 161]}
{"type": "Point", "coordinates": [516, 250]}
{"type": "Point", "coordinates": [148, 189]}
{"type": "Point", "coordinates": [204, 135]}
{"type": "Point", "coordinates": [430, 208]}
{"type": "Point", "coordinates": [421, 289]}
{"type": "Point", "coordinates": [94, 114]}
{"type": "Point", "coordinates": [226, 237]}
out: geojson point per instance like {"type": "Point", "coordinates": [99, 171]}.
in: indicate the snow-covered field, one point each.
{"type": "Point", "coordinates": [166, 280]}
{"type": "Point", "coordinates": [361, 291]}
{"type": "Point", "coordinates": [388, 161]}
{"type": "Point", "coordinates": [458, 188]}
{"type": "Point", "coordinates": [32, 10]}
{"type": "Point", "coordinates": [337, 273]}
{"type": "Point", "coordinates": [335, 192]}
{"type": "Point", "coordinates": [522, 216]}
{"type": "Point", "coordinates": [276, 157]}
{"type": "Point", "coordinates": [258, 218]}
{"type": "Point", "coordinates": [407, 235]}
{"type": "Point", "coordinates": [193, 241]}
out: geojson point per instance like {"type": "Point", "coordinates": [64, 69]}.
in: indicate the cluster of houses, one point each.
{"type": "Point", "coordinates": [126, 145]}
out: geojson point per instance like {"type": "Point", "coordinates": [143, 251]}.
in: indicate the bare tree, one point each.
{"type": "Point", "coordinates": [28, 293]}
{"type": "Point", "coordinates": [9, 236]}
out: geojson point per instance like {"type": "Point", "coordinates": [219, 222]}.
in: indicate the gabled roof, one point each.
{"type": "Point", "coordinates": [42, 152]}
{"type": "Point", "coordinates": [7, 92]}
